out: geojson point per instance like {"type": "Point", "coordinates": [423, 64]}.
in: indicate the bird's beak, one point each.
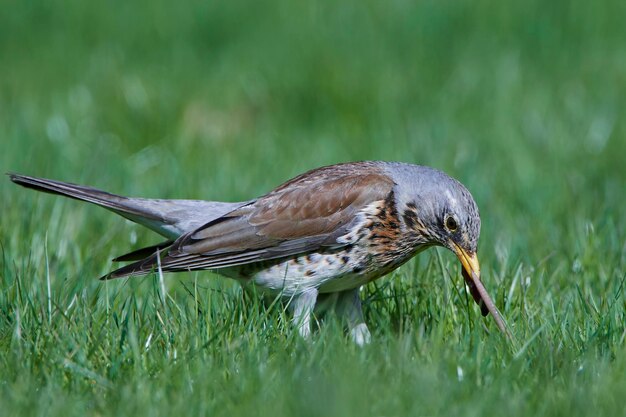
{"type": "Point", "coordinates": [471, 273]}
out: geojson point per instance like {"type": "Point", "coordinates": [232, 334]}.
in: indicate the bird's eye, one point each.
{"type": "Point", "coordinates": [451, 224]}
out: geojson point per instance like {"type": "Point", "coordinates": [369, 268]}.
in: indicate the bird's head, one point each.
{"type": "Point", "coordinates": [440, 211]}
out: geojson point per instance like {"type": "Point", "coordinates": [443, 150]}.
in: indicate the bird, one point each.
{"type": "Point", "coordinates": [313, 241]}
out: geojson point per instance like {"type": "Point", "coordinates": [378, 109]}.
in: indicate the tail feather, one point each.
{"type": "Point", "coordinates": [122, 205]}
{"type": "Point", "coordinates": [170, 218]}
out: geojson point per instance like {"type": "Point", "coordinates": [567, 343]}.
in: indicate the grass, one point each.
{"type": "Point", "coordinates": [523, 102]}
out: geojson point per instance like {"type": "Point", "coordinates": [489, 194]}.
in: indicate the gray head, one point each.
{"type": "Point", "coordinates": [437, 206]}
{"type": "Point", "coordinates": [439, 210]}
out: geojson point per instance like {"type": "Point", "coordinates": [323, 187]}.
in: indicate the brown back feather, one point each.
{"type": "Point", "coordinates": [305, 214]}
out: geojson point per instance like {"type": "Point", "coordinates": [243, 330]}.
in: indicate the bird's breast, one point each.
{"type": "Point", "coordinates": [374, 245]}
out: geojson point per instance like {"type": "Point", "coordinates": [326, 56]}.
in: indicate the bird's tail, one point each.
{"type": "Point", "coordinates": [170, 218]}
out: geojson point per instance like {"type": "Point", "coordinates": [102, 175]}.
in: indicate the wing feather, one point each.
{"type": "Point", "coordinates": [303, 215]}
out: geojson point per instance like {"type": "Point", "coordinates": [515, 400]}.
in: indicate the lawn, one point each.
{"type": "Point", "coordinates": [523, 102]}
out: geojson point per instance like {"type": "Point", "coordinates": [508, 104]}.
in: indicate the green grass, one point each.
{"type": "Point", "coordinates": [524, 102]}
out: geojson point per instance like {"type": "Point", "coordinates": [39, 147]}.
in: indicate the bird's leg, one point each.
{"type": "Point", "coordinates": [302, 306]}
{"type": "Point", "coordinates": [348, 307]}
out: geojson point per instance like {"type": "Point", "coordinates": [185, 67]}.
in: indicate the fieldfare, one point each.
{"type": "Point", "coordinates": [314, 240]}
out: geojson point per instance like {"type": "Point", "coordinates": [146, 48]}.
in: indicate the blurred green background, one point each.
{"type": "Point", "coordinates": [523, 102]}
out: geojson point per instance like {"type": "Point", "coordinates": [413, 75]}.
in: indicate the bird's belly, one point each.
{"type": "Point", "coordinates": [328, 272]}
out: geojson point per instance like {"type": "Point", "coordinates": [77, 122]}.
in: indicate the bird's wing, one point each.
{"type": "Point", "coordinates": [144, 252]}
{"type": "Point", "coordinates": [305, 214]}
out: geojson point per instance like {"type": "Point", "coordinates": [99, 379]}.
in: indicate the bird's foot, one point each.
{"type": "Point", "coordinates": [302, 307]}
{"type": "Point", "coordinates": [360, 334]}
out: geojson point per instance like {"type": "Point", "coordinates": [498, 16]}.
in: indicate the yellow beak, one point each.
{"type": "Point", "coordinates": [471, 273]}
{"type": "Point", "coordinates": [468, 260]}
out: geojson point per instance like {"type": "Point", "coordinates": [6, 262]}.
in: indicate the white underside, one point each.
{"type": "Point", "coordinates": [324, 272]}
